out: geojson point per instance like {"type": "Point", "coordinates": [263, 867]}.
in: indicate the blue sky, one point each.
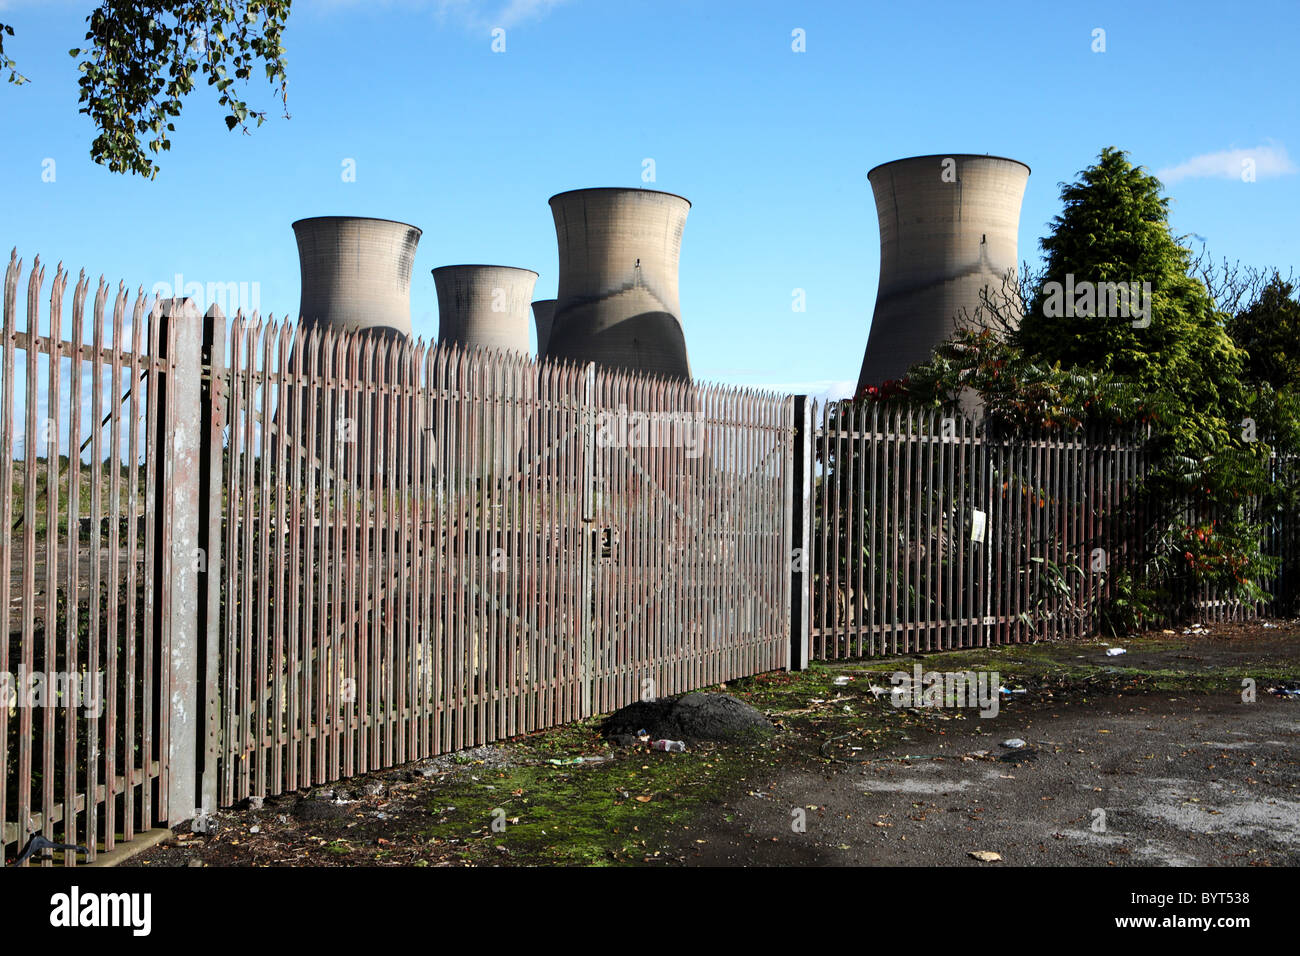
{"type": "Point", "coordinates": [771, 146]}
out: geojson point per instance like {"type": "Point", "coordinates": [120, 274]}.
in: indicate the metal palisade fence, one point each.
{"type": "Point", "coordinates": [239, 558]}
{"type": "Point", "coordinates": [84, 565]}
{"type": "Point", "coordinates": [427, 549]}
{"type": "Point", "coordinates": [930, 533]}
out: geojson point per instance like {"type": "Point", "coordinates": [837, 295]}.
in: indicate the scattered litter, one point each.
{"type": "Point", "coordinates": [985, 856]}
{"type": "Point", "coordinates": [576, 760]}
{"type": "Point", "coordinates": [254, 829]}
{"type": "Point", "coordinates": [1015, 743]}
{"type": "Point", "coordinates": [1008, 691]}
{"type": "Point", "coordinates": [1291, 693]}
{"type": "Point", "coordinates": [671, 746]}
{"type": "Point", "coordinates": [1270, 626]}
{"type": "Point", "coordinates": [1115, 651]}
{"type": "Point", "coordinates": [841, 681]}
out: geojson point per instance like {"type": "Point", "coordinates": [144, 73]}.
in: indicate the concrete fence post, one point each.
{"type": "Point", "coordinates": [801, 507]}
{"type": "Point", "coordinates": [177, 497]}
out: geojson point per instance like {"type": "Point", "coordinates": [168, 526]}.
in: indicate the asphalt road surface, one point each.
{"type": "Point", "coordinates": [1133, 780]}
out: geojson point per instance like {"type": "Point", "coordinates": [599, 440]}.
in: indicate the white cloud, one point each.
{"type": "Point", "coordinates": [480, 13]}
{"type": "Point", "coordinates": [1270, 161]}
{"type": "Point", "coordinates": [476, 14]}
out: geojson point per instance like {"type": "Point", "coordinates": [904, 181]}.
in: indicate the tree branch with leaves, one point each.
{"type": "Point", "coordinates": [143, 58]}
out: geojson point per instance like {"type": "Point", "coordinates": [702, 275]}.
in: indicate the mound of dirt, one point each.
{"type": "Point", "coordinates": [689, 717]}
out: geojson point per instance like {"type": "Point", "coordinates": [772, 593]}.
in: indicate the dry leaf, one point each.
{"type": "Point", "coordinates": [986, 856]}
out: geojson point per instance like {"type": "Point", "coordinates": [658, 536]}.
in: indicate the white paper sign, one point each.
{"type": "Point", "coordinates": [977, 524]}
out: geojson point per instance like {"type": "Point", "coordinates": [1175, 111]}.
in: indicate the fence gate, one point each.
{"type": "Point", "coordinates": [426, 550]}
{"type": "Point", "coordinates": [691, 532]}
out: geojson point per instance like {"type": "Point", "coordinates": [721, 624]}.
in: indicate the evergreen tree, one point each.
{"type": "Point", "coordinates": [1116, 297]}
{"type": "Point", "coordinates": [1268, 331]}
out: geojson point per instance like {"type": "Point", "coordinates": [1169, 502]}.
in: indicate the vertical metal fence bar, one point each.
{"type": "Point", "coordinates": [132, 773]}
{"type": "Point", "coordinates": [72, 601]}
{"type": "Point", "coordinates": [284, 429]}
{"type": "Point", "coordinates": [6, 528]}
{"type": "Point", "coordinates": [28, 651]}
{"type": "Point", "coordinates": [264, 712]}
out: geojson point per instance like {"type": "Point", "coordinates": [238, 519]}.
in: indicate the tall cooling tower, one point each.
{"type": "Point", "coordinates": [543, 315]}
{"type": "Point", "coordinates": [356, 272]}
{"type": "Point", "coordinates": [356, 275]}
{"type": "Point", "coordinates": [484, 306]}
{"type": "Point", "coordinates": [617, 303]}
{"type": "Point", "coordinates": [948, 227]}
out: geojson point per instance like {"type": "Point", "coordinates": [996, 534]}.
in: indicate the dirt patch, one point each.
{"type": "Point", "coordinates": [691, 717]}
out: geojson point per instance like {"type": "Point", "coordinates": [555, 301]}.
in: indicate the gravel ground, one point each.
{"type": "Point", "coordinates": [1148, 758]}
{"type": "Point", "coordinates": [1127, 781]}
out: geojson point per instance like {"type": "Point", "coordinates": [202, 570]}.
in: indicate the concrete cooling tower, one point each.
{"type": "Point", "coordinates": [948, 229]}
{"type": "Point", "coordinates": [543, 315]}
{"type": "Point", "coordinates": [356, 275]}
{"type": "Point", "coordinates": [617, 303]}
{"type": "Point", "coordinates": [484, 306]}
{"type": "Point", "coordinates": [356, 272]}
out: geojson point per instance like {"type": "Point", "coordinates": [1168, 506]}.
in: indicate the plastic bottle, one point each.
{"type": "Point", "coordinates": [671, 746]}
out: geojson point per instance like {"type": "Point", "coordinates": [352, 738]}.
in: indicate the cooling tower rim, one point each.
{"type": "Point", "coordinates": [482, 265]}
{"type": "Point", "coordinates": [543, 301]}
{"type": "Point", "coordinates": [397, 222]}
{"type": "Point", "coordinates": [617, 189]}
{"type": "Point", "coordinates": [909, 159]}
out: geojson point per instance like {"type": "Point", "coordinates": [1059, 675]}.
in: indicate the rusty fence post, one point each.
{"type": "Point", "coordinates": [800, 504]}
{"type": "Point", "coordinates": [588, 536]}
{"type": "Point", "coordinates": [177, 611]}
{"type": "Point", "coordinates": [215, 395]}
